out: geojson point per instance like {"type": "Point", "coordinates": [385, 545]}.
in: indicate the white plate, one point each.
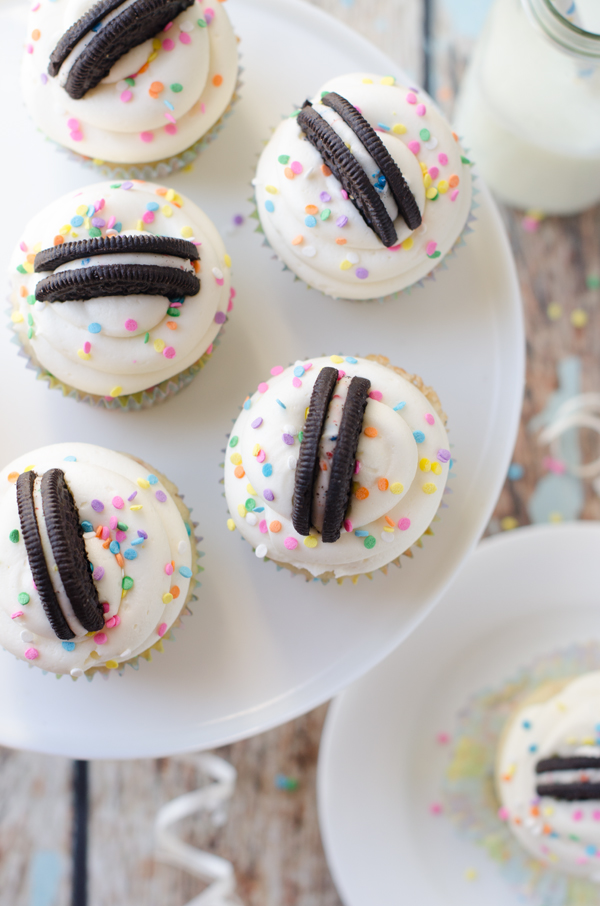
{"type": "Point", "coordinates": [262, 647]}
{"type": "Point", "coordinates": [521, 595]}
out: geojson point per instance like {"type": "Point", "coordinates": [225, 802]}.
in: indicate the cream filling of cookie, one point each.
{"type": "Point", "coordinates": [327, 446]}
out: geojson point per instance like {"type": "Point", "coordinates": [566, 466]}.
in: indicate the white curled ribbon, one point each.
{"type": "Point", "coordinates": [170, 848]}
{"type": "Point", "coordinates": [582, 411]}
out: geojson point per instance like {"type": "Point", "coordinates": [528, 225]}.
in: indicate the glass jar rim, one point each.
{"type": "Point", "coordinates": [569, 36]}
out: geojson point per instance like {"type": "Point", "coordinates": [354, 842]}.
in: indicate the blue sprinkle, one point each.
{"type": "Point", "coordinates": [590, 850]}
{"type": "Point", "coordinates": [269, 206]}
{"type": "Point", "coordinates": [188, 529]}
{"type": "Point", "coordinates": [185, 571]}
{"type": "Point", "coordinates": [597, 728]}
{"type": "Point", "coordinates": [118, 226]}
{"type": "Point", "coordinates": [526, 725]}
{"type": "Point", "coordinates": [259, 509]}
{"type": "Point", "coordinates": [177, 299]}
{"type": "Point", "coordinates": [450, 464]}
{"type": "Point", "coordinates": [283, 405]}
{"type": "Point", "coordinates": [91, 567]}
{"type": "Point", "coordinates": [419, 436]}
{"type": "Point", "coordinates": [533, 748]}
{"type": "Point", "coordinates": [130, 554]}
{"type": "Point", "coordinates": [115, 547]}
{"type": "Point", "coordinates": [85, 261]}
{"type": "Point", "coordinates": [247, 404]}
{"type": "Point", "coordinates": [169, 105]}
{"type": "Point", "coordinates": [515, 471]}
{"type": "Point", "coordinates": [334, 438]}
{"type": "Point", "coordinates": [267, 469]}
{"type": "Point", "coordinates": [399, 406]}
{"type": "Point", "coordinates": [76, 221]}
{"type": "Point", "coordinates": [97, 27]}
{"type": "Point", "coordinates": [94, 327]}
{"type": "Point", "coordinates": [351, 359]}
{"type": "Point", "coordinates": [91, 211]}
{"type": "Point", "coordinates": [137, 541]}
{"type": "Point", "coordinates": [70, 459]}
{"type": "Point", "coordinates": [152, 479]}
{"type": "Point", "coordinates": [144, 535]}
{"type": "Point", "coordinates": [361, 533]}
{"type": "Point", "coordinates": [299, 371]}
{"type": "Point", "coordinates": [69, 646]}
{"type": "Point", "coordinates": [87, 526]}
{"type": "Point", "coordinates": [310, 221]}
{"type": "Point", "coordinates": [383, 126]}
{"type": "Point", "coordinates": [285, 783]}
{"type": "Point", "coordinates": [152, 206]}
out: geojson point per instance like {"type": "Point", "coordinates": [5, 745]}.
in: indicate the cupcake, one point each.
{"type": "Point", "coordinates": [132, 82]}
{"type": "Point", "coordinates": [365, 190]}
{"type": "Point", "coordinates": [336, 466]}
{"type": "Point", "coordinates": [97, 559]}
{"type": "Point", "coordinates": [548, 775]}
{"type": "Point", "coordinates": [119, 292]}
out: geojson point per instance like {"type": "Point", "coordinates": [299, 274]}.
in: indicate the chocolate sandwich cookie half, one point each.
{"type": "Point", "coordinates": [365, 189]}
{"type": "Point", "coordinates": [119, 292]}
{"type": "Point", "coordinates": [336, 465]}
{"type": "Point", "coordinates": [96, 562]}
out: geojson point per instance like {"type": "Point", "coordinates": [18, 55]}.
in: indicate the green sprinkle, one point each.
{"type": "Point", "coordinates": [593, 281]}
{"type": "Point", "coordinates": [300, 436]}
{"type": "Point", "coordinates": [370, 541]}
{"type": "Point", "coordinates": [202, 23]}
{"type": "Point", "coordinates": [21, 269]}
{"type": "Point", "coordinates": [94, 231]}
{"type": "Point", "coordinates": [465, 160]}
{"type": "Point", "coordinates": [294, 114]}
{"type": "Point", "coordinates": [127, 583]}
{"type": "Point", "coordinates": [174, 312]}
{"type": "Point", "coordinates": [122, 527]}
{"type": "Point", "coordinates": [436, 254]}
{"type": "Point", "coordinates": [188, 528]}
{"type": "Point", "coordinates": [23, 598]}
{"type": "Point", "coordinates": [31, 300]}
{"type": "Point", "coordinates": [284, 159]}
{"type": "Point", "coordinates": [146, 338]}
{"type": "Point", "coordinates": [131, 83]}
{"type": "Point", "coordinates": [324, 93]}
{"type": "Point", "coordinates": [425, 135]}
{"type": "Point", "coordinates": [29, 333]}
{"type": "Point", "coordinates": [325, 213]}
{"type": "Point", "coordinates": [250, 504]}
{"type": "Point", "coordinates": [30, 319]}
{"type": "Point", "coordinates": [14, 536]}
{"type": "Point", "coordinates": [116, 185]}
{"type": "Point", "coordinates": [233, 441]}
{"type": "Point", "coordinates": [176, 87]}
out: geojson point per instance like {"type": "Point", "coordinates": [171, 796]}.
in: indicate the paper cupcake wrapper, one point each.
{"type": "Point", "coordinates": [131, 402]}
{"type": "Point", "coordinates": [156, 170]}
{"type": "Point", "coordinates": [468, 790]}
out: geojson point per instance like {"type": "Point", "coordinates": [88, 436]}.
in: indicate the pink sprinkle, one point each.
{"type": "Point", "coordinates": [30, 50]}
{"type": "Point", "coordinates": [276, 370]}
{"type": "Point", "coordinates": [210, 349]}
{"type": "Point", "coordinates": [578, 815]}
{"type": "Point", "coordinates": [148, 216]}
{"type": "Point", "coordinates": [430, 419]}
{"type": "Point", "coordinates": [357, 467]}
{"type": "Point", "coordinates": [126, 96]}
{"type": "Point", "coordinates": [171, 129]}
{"type": "Point", "coordinates": [110, 623]}
{"type": "Point", "coordinates": [530, 224]}
{"type": "Point", "coordinates": [98, 574]}
{"type": "Point", "coordinates": [86, 347]}
{"type": "Point", "coordinates": [99, 204]}
{"type": "Point", "coordinates": [581, 860]}
{"type": "Point", "coordinates": [105, 533]}
{"type": "Point", "coordinates": [169, 569]}
{"type": "Point", "coordinates": [554, 465]}
{"type": "Point", "coordinates": [403, 524]}
{"type": "Point", "coordinates": [169, 352]}
{"type": "Point", "coordinates": [168, 44]}
{"type": "Point", "coordinates": [77, 135]}
{"type": "Point", "coordinates": [147, 136]}
{"type": "Point", "coordinates": [162, 629]}
{"type": "Point", "coordinates": [130, 324]}
{"type": "Point", "coordinates": [421, 110]}
{"type": "Point", "coordinates": [113, 522]}
{"type": "Point", "coordinates": [454, 195]}
{"type": "Point", "coordinates": [121, 536]}
{"type": "Point", "coordinates": [434, 172]}
{"type": "Point", "coordinates": [31, 654]}
{"type": "Point", "coordinates": [348, 525]}
{"type": "Point", "coordinates": [296, 382]}
{"type": "Point", "coordinates": [436, 808]}
{"type": "Point", "coordinates": [296, 167]}
{"type": "Point", "coordinates": [73, 123]}
{"type": "Point", "coordinates": [411, 98]}
{"type": "Point", "coordinates": [185, 38]}
{"type": "Point", "coordinates": [291, 543]}
{"type": "Point", "coordinates": [209, 15]}
{"type": "Point", "coordinates": [431, 247]}
{"type": "Point", "coordinates": [168, 26]}
{"type": "Point", "coordinates": [263, 526]}
{"type": "Point", "coordinates": [443, 739]}
{"type": "Point", "coordinates": [105, 607]}
{"type": "Point", "coordinates": [17, 613]}
{"type": "Point", "coordinates": [503, 813]}
{"type": "Point", "coordinates": [341, 374]}
{"type": "Point", "coordinates": [261, 456]}
{"type": "Point", "coordinates": [343, 193]}
{"type": "Point", "coordinates": [111, 222]}
{"type": "Point", "coordinates": [117, 619]}
{"type": "Point", "coordinates": [414, 146]}
{"type": "Point", "coordinates": [101, 638]}
{"type": "Point", "coordinates": [171, 118]}
{"type": "Point", "coordinates": [117, 502]}
{"type": "Point", "coordinates": [202, 107]}
{"type": "Point", "coordinates": [262, 387]}
{"type": "Point", "coordinates": [443, 159]}
{"type": "Point", "coordinates": [22, 246]}
{"type": "Point", "coordinates": [376, 395]}
{"type": "Point", "coordinates": [596, 815]}
{"type": "Point", "coordinates": [35, 8]}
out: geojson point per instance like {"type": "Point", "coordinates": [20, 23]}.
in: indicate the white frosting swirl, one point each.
{"type": "Point", "coordinates": [108, 488]}
{"type": "Point", "coordinates": [121, 121]}
{"type": "Point", "coordinates": [320, 235]}
{"type": "Point", "coordinates": [402, 468]}
{"type": "Point", "coordinates": [565, 835]}
{"type": "Point", "coordinates": [117, 345]}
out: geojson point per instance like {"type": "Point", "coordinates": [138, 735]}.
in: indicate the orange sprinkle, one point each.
{"type": "Point", "coordinates": [196, 266]}
{"type": "Point", "coordinates": [175, 591]}
{"type": "Point", "coordinates": [217, 80]}
{"type": "Point", "coordinates": [58, 240]}
{"type": "Point", "coordinates": [298, 240]}
{"type": "Point", "coordinates": [144, 68]}
{"type": "Point", "coordinates": [106, 544]}
{"type": "Point", "coordinates": [153, 94]}
{"type": "Point", "coordinates": [390, 521]}
{"type": "Point", "coordinates": [311, 209]}
{"type": "Point", "coordinates": [517, 820]}
{"type": "Point", "coordinates": [323, 467]}
{"type": "Point", "coordinates": [275, 526]}
{"type": "Point", "coordinates": [341, 241]}
{"type": "Point", "coordinates": [325, 170]}
{"type": "Point", "coordinates": [534, 811]}
{"type": "Point", "coordinates": [30, 258]}
{"type": "Point", "coordinates": [371, 432]}
{"type": "Point", "coordinates": [36, 34]}
{"type": "Point", "coordinates": [161, 191]}
{"type": "Point", "coordinates": [546, 829]}
{"type": "Point", "coordinates": [99, 532]}
{"type": "Point", "coordinates": [239, 472]}
{"type": "Point", "coordinates": [120, 560]}
{"type": "Point", "coordinates": [12, 477]}
{"type": "Point", "coordinates": [289, 173]}
{"type": "Point", "coordinates": [383, 484]}
{"type": "Point", "coordinates": [22, 291]}
{"type": "Point", "coordinates": [157, 87]}
{"type": "Point", "coordinates": [455, 136]}
{"type": "Point", "coordinates": [172, 325]}
{"type": "Point", "coordinates": [362, 494]}
{"type": "Point", "coordinates": [453, 181]}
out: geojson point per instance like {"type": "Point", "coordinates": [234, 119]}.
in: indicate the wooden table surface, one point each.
{"type": "Point", "coordinates": [272, 835]}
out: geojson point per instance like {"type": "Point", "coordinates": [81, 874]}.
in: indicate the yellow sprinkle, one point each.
{"type": "Point", "coordinates": [152, 56]}
{"type": "Point", "coordinates": [427, 180]}
{"type": "Point", "coordinates": [436, 468]}
{"type": "Point", "coordinates": [186, 232]}
{"type": "Point", "coordinates": [143, 483]}
{"type": "Point", "coordinates": [399, 128]}
{"type": "Point", "coordinates": [588, 741]}
{"type": "Point", "coordinates": [408, 243]}
{"type": "Point", "coordinates": [310, 541]}
{"type": "Point", "coordinates": [111, 665]}
{"type": "Point", "coordinates": [336, 359]}
{"type": "Point", "coordinates": [159, 345]}
{"type": "Point", "coordinates": [235, 458]}
{"type": "Point", "coordinates": [227, 260]}
{"type": "Point", "coordinates": [387, 528]}
{"type": "Point", "coordinates": [231, 525]}
{"type": "Point", "coordinates": [156, 44]}
{"type": "Point", "coordinates": [272, 190]}
{"type": "Point", "coordinates": [562, 707]}
{"type": "Point", "coordinates": [423, 166]}
{"type": "Point", "coordinates": [65, 229]}
{"type": "Point", "coordinates": [345, 265]}
{"type": "Point", "coordinates": [250, 489]}
{"type": "Point", "coordinates": [470, 874]}
{"type": "Point", "coordinates": [95, 654]}
{"type": "Point", "coordinates": [84, 355]}
{"type": "Point", "coordinates": [306, 413]}
{"type": "Point", "coordinates": [242, 510]}
{"type": "Point", "coordinates": [116, 391]}
{"type": "Point", "coordinates": [442, 186]}
{"type": "Point", "coordinates": [548, 810]}
{"type": "Point", "coordinates": [396, 487]}
{"type": "Point", "coordinates": [256, 449]}
{"type": "Point", "coordinates": [425, 465]}
{"type": "Point", "coordinates": [178, 199]}
{"type": "Point", "coordinates": [167, 210]}
{"type": "Point", "coordinates": [140, 226]}
{"type": "Point", "coordinates": [555, 517]}
{"type": "Point", "coordinates": [430, 488]}
{"type": "Point", "coordinates": [29, 468]}
{"type": "Point", "coordinates": [554, 311]}
{"type": "Point", "coordinates": [366, 82]}
{"type": "Point", "coordinates": [87, 223]}
{"type": "Point", "coordinates": [579, 317]}
{"type": "Point", "coordinates": [508, 523]}
{"type": "Point", "coordinates": [136, 506]}
{"type": "Point", "coordinates": [82, 210]}
{"type": "Point", "coordinates": [431, 192]}
{"type": "Point", "coordinates": [388, 80]}
{"type": "Point", "coordinates": [167, 597]}
{"type": "Point", "coordinates": [28, 267]}
{"type": "Point", "coordinates": [16, 317]}
{"type": "Point", "coordinates": [170, 196]}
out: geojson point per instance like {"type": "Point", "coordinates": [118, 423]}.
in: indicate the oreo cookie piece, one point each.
{"type": "Point", "coordinates": [50, 259]}
{"type": "Point", "coordinates": [344, 458]}
{"type": "Point", "coordinates": [404, 198]}
{"type": "Point", "coordinates": [116, 280]}
{"type": "Point", "coordinates": [308, 458]}
{"type": "Point", "coordinates": [349, 172]}
{"type": "Point", "coordinates": [68, 548]}
{"type": "Point", "coordinates": [567, 790]}
{"type": "Point", "coordinates": [35, 554]}
{"type": "Point", "coordinates": [137, 23]}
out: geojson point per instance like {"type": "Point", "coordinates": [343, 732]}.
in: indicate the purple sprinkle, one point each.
{"type": "Point", "coordinates": [343, 193]}
{"type": "Point", "coordinates": [98, 222]}
{"type": "Point", "coordinates": [362, 273]}
{"type": "Point", "coordinates": [288, 439]}
{"type": "Point", "coordinates": [97, 505]}
{"type": "Point", "coordinates": [342, 221]}
{"type": "Point", "coordinates": [238, 219]}
{"type": "Point", "coordinates": [127, 185]}
{"type": "Point", "coordinates": [142, 534]}
{"type": "Point", "coordinates": [443, 455]}
{"type": "Point", "coordinates": [133, 496]}
{"type": "Point", "coordinates": [161, 496]}
{"type": "Point", "coordinates": [268, 494]}
{"type": "Point", "coordinates": [98, 573]}
{"type": "Point", "coordinates": [325, 196]}
{"type": "Point", "coordinates": [44, 78]}
{"type": "Point", "coordinates": [256, 423]}
{"type": "Point", "coordinates": [220, 317]}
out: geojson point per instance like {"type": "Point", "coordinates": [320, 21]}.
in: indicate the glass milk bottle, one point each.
{"type": "Point", "coordinates": [529, 107]}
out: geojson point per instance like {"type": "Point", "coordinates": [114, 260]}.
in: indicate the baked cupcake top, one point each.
{"type": "Point", "coordinates": [365, 189]}
{"type": "Point", "coordinates": [96, 559]}
{"type": "Point", "coordinates": [145, 279]}
{"type": "Point", "coordinates": [549, 777]}
{"type": "Point", "coordinates": [91, 86]}
{"type": "Point", "coordinates": [337, 464]}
